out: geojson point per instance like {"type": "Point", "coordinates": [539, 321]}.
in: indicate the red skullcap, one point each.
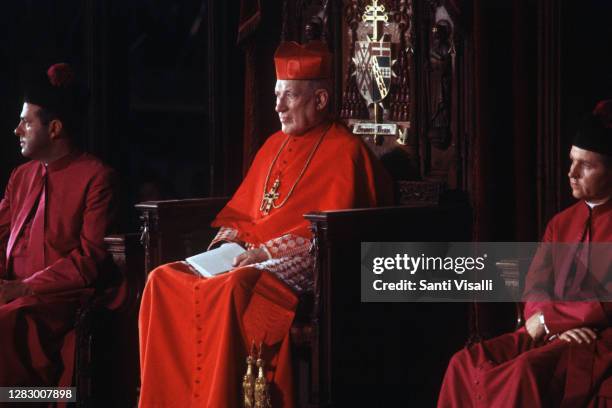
{"type": "Point", "coordinates": [295, 61]}
{"type": "Point", "coordinates": [60, 74]}
{"type": "Point", "coordinates": [603, 110]}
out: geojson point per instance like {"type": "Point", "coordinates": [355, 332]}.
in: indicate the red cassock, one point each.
{"type": "Point", "coordinates": [195, 333]}
{"type": "Point", "coordinates": [53, 220]}
{"type": "Point", "coordinates": [514, 371]}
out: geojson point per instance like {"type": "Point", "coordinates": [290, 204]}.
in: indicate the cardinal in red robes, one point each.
{"type": "Point", "coordinates": [562, 357]}
{"type": "Point", "coordinates": [196, 333]}
{"type": "Point", "coordinates": [54, 215]}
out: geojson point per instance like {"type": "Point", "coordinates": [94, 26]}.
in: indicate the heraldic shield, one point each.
{"type": "Point", "coordinates": [373, 69]}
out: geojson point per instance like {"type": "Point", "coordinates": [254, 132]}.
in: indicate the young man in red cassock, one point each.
{"type": "Point", "coordinates": [196, 333]}
{"type": "Point", "coordinates": [563, 354]}
{"type": "Point", "coordinates": [54, 215]}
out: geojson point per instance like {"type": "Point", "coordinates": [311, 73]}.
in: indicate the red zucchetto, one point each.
{"type": "Point", "coordinates": [603, 110]}
{"type": "Point", "coordinates": [309, 61]}
{"type": "Point", "coordinates": [60, 74]}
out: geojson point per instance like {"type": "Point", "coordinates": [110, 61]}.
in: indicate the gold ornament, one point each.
{"type": "Point", "coordinates": [262, 392]}
{"type": "Point", "coordinates": [248, 381]}
{"type": "Point", "coordinates": [268, 199]}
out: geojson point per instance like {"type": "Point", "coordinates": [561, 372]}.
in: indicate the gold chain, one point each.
{"type": "Point", "coordinates": [299, 176]}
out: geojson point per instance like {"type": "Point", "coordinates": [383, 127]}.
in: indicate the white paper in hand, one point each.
{"type": "Point", "coordinates": [215, 261]}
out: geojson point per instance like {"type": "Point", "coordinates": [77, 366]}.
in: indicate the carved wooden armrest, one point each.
{"type": "Point", "coordinates": [210, 203]}
{"type": "Point", "coordinates": [174, 229]}
{"type": "Point", "coordinates": [128, 258]}
{"type": "Point", "coordinates": [513, 272]}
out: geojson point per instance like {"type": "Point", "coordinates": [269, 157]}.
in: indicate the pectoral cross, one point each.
{"type": "Point", "coordinates": [269, 198]}
{"type": "Point", "coordinates": [375, 14]}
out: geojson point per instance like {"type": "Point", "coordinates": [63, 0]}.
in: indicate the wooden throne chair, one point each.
{"type": "Point", "coordinates": [426, 158]}
{"type": "Point", "coordinates": [175, 229]}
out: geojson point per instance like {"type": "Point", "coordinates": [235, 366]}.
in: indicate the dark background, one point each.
{"type": "Point", "coordinates": [167, 87]}
{"type": "Point", "coordinates": [149, 72]}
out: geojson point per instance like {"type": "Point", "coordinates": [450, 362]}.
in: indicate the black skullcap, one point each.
{"type": "Point", "coordinates": [595, 131]}
{"type": "Point", "coordinates": [55, 90]}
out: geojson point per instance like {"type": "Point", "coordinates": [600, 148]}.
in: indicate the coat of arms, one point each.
{"type": "Point", "coordinates": [373, 69]}
{"type": "Point", "coordinates": [372, 59]}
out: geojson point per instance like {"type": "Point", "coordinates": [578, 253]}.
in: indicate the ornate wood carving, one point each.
{"type": "Point", "coordinates": [400, 32]}
{"type": "Point", "coordinates": [320, 374]}
{"type": "Point", "coordinates": [305, 20]}
{"type": "Point", "coordinates": [440, 128]}
{"type": "Point", "coordinates": [426, 86]}
{"type": "Point", "coordinates": [148, 238]}
{"type": "Point", "coordinates": [175, 229]}
{"type": "Point", "coordinates": [421, 192]}
{"type": "Point", "coordinates": [426, 90]}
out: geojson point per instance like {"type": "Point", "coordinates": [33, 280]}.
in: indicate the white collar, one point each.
{"type": "Point", "coordinates": [593, 205]}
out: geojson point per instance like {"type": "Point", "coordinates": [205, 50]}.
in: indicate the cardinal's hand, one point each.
{"type": "Point", "coordinates": [250, 257]}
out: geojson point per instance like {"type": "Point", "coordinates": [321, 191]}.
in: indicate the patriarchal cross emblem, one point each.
{"type": "Point", "coordinates": [373, 57]}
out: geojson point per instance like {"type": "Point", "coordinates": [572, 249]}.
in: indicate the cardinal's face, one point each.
{"type": "Point", "coordinates": [299, 104]}
{"type": "Point", "coordinates": [34, 137]}
{"type": "Point", "coordinates": [589, 175]}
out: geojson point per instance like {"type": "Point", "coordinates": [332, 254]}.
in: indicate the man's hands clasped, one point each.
{"type": "Point", "coordinates": [578, 335]}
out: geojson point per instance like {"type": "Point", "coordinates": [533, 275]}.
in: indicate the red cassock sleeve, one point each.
{"type": "Point", "coordinates": [79, 267]}
{"type": "Point", "coordinates": [5, 227]}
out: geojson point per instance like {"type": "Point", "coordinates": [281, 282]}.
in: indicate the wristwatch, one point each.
{"type": "Point", "coordinates": [543, 323]}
